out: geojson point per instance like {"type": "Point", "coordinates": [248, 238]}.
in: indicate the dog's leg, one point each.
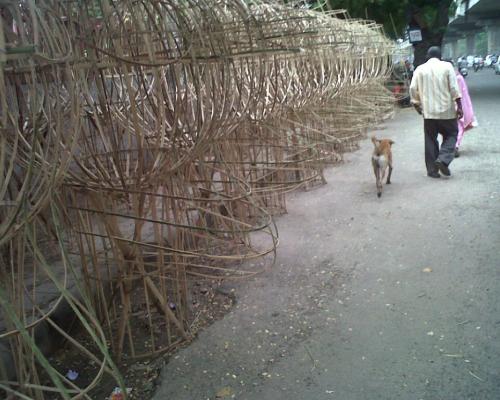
{"type": "Point", "coordinates": [389, 161]}
{"type": "Point", "coordinates": [388, 182]}
{"type": "Point", "coordinates": [379, 188]}
{"type": "Point", "coordinates": [376, 170]}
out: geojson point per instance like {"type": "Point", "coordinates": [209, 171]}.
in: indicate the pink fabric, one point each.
{"type": "Point", "coordinates": [468, 121]}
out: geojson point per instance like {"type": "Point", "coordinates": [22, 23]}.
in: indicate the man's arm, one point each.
{"type": "Point", "coordinates": [414, 92]}
{"type": "Point", "coordinates": [460, 110]}
{"type": "Point", "coordinates": [455, 91]}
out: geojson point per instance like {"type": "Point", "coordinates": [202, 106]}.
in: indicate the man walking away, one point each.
{"type": "Point", "coordinates": [433, 92]}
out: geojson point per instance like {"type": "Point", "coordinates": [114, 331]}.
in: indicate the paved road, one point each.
{"type": "Point", "coordinates": [391, 298]}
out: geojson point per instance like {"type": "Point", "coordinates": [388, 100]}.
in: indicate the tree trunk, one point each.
{"type": "Point", "coordinates": [432, 21]}
{"type": "Point", "coordinates": [420, 49]}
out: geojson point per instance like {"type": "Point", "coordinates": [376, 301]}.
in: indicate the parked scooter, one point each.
{"type": "Point", "coordinates": [478, 65]}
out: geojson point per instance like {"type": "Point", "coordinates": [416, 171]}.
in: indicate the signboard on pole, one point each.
{"type": "Point", "coordinates": [415, 35]}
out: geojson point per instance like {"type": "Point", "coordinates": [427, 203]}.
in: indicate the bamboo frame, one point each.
{"type": "Point", "coordinates": [150, 143]}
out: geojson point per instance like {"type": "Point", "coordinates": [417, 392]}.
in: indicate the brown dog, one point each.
{"type": "Point", "coordinates": [381, 159]}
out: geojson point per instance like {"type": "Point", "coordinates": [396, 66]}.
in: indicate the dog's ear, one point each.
{"type": "Point", "coordinates": [375, 141]}
{"type": "Point", "coordinates": [391, 142]}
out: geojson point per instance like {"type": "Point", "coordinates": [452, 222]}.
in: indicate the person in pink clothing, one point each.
{"type": "Point", "coordinates": [468, 121]}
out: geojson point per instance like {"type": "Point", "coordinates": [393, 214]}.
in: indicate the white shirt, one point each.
{"type": "Point", "coordinates": [434, 88]}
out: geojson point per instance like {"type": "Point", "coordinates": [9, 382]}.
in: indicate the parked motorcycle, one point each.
{"type": "Point", "coordinates": [478, 65]}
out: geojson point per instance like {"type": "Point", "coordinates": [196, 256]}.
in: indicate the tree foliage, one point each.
{"type": "Point", "coordinates": [431, 16]}
{"type": "Point", "coordinates": [392, 14]}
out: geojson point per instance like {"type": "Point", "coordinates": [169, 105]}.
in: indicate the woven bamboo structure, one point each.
{"type": "Point", "coordinates": [40, 117]}
{"type": "Point", "coordinates": [148, 144]}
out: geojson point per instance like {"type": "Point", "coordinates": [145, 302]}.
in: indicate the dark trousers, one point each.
{"type": "Point", "coordinates": [448, 128]}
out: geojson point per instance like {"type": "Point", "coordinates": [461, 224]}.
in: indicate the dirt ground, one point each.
{"type": "Point", "coordinates": [390, 298]}
{"type": "Point", "coordinates": [211, 301]}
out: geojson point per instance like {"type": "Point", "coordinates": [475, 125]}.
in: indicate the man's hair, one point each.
{"type": "Point", "coordinates": [434, 52]}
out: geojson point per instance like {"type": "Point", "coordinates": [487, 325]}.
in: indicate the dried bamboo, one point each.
{"type": "Point", "coordinates": [147, 145]}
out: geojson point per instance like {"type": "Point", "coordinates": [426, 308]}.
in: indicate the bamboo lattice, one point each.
{"type": "Point", "coordinates": [146, 145]}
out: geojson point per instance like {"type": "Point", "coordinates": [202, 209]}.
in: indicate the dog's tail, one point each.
{"type": "Point", "coordinates": [381, 161]}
